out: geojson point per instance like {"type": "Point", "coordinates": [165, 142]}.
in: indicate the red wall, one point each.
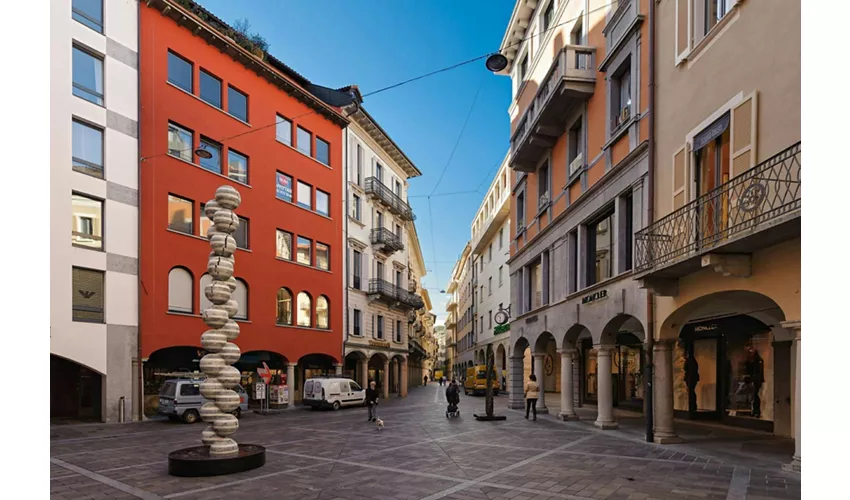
{"type": "Point", "coordinates": [258, 267]}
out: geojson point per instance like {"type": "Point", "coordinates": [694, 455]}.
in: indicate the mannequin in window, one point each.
{"type": "Point", "coordinates": [754, 369]}
{"type": "Point", "coordinates": [691, 379]}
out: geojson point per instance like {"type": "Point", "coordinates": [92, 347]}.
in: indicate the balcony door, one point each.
{"type": "Point", "coordinates": [712, 160]}
{"type": "Point", "coordinates": [379, 173]}
{"type": "Point", "coordinates": [380, 270]}
{"type": "Point", "coordinates": [379, 219]}
{"type": "Point", "coordinates": [398, 279]}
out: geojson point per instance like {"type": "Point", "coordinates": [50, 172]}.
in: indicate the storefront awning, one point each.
{"type": "Point", "coordinates": [711, 132]}
{"type": "Point", "coordinates": [729, 324]}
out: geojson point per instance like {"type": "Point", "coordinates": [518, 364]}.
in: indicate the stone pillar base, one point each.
{"type": "Point", "coordinates": [516, 405]}
{"type": "Point", "coordinates": [565, 417]}
{"type": "Point", "coordinates": [671, 439]}
{"type": "Point", "coordinates": [794, 466]}
{"type": "Point", "coordinates": [542, 410]}
{"type": "Point", "coordinates": [606, 425]}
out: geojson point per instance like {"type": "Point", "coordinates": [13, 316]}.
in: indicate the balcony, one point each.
{"type": "Point", "coordinates": [385, 241]}
{"type": "Point", "coordinates": [393, 295]}
{"type": "Point", "coordinates": [720, 229]}
{"type": "Point", "coordinates": [452, 305]}
{"type": "Point", "coordinates": [570, 81]}
{"type": "Point", "coordinates": [378, 191]}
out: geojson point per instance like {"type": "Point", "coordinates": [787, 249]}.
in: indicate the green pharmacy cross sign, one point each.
{"type": "Point", "coordinates": [502, 329]}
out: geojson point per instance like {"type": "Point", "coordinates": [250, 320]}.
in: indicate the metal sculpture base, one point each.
{"type": "Point", "coordinates": [489, 418]}
{"type": "Point", "coordinates": [197, 461]}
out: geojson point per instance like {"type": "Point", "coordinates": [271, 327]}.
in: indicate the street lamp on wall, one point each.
{"type": "Point", "coordinates": [496, 62]}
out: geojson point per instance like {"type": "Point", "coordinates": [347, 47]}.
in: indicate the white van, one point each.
{"type": "Point", "coordinates": [333, 393]}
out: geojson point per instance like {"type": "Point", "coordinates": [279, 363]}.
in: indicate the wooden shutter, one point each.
{"type": "Point", "coordinates": [743, 135]}
{"type": "Point", "coordinates": [683, 29]}
{"type": "Point", "coordinates": [88, 295]}
{"type": "Point", "coordinates": [680, 178]}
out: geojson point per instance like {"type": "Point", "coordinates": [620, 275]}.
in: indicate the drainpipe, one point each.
{"type": "Point", "coordinates": [141, 383]}
{"type": "Point", "coordinates": [650, 211]}
{"type": "Point", "coordinates": [345, 242]}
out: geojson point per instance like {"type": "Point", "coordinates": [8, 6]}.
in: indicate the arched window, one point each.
{"type": "Point", "coordinates": [284, 307]}
{"type": "Point", "coordinates": [240, 295]}
{"type": "Point", "coordinates": [180, 290]}
{"type": "Point", "coordinates": [206, 279]}
{"type": "Point", "coordinates": [305, 309]}
{"type": "Point", "coordinates": [322, 312]}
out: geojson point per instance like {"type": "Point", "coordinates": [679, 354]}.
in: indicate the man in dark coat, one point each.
{"type": "Point", "coordinates": [754, 368]}
{"type": "Point", "coordinates": [372, 401]}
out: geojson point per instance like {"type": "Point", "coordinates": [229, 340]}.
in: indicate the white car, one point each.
{"type": "Point", "coordinates": [333, 393]}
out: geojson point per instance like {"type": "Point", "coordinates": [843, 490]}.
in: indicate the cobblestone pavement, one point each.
{"type": "Point", "coordinates": [420, 454]}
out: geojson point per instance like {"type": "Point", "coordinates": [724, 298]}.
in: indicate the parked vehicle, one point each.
{"type": "Point", "coordinates": [476, 381]}
{"type": "Point", "coordinates": [180, 399]}
{"type": "Point", "coordinates": [333, 393]}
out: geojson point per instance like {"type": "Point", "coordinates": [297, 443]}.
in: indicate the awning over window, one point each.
{"type": "Point", "coordinates": [711, 132]}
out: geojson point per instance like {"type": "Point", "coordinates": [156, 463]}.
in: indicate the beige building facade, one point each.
{"type": "Point", "coordinates": [722, 253]}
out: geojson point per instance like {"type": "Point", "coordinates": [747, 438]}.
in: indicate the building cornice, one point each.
{"type": "Point", "coordinates": [370, 126]}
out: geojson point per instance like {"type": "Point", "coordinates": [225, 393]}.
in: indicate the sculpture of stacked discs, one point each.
{"type": "Point", "coordinates": [220, 453]}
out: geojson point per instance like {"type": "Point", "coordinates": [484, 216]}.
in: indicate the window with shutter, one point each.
{"type": "Point", "coordinates": [87, 302]}
{"type": "Point", "coordinates": [680, 176]}
{"type": "Point", "coordinates": [180, 290]}
{"type": "Point", "coordinates": [683, 29]}
{"type": "Point", "coordinates": [744, 132]}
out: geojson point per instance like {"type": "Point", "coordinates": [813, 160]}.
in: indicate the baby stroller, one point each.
{"type": "Point", "coordinates": [453, 398]}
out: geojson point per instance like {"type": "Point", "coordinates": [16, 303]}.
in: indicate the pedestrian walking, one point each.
{"type": "Point", "coordinates": [425, 379]}
{"type": "Point", "coordinates": [531, 394]}
{"type": "Point", "coordinates": [372, 401]}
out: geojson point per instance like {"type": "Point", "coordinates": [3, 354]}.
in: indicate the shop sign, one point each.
{"type": "Point", "coordinates": [259, 391]}
{"type": "Point", "coordinates": [379, 343]}
{"type": "Point", "coordinates": [593, 297]}
{"type": "Point", "coordinates": [284, 187]}
{"type": "Point", "coordinates": [531, 319]}
{"type": "Point", "coordinates": [502, 329]}
{"type": "Point", "coordinates": [278, 394]}
{"type": "Point", "coordinates": [705, 328]}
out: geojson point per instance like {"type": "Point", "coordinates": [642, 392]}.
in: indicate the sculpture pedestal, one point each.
{"type": "Point", "coordinates": [197, 461]}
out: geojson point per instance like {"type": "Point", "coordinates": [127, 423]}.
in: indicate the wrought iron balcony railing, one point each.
{"type": "Point", "coordinates": [758, 199]}
{"type": "Point", "coordinates": [387, 240]}
{"type": "Point", "coordinates": [394, 294]}
{"type": "Point", "coordinates": [397, 206]}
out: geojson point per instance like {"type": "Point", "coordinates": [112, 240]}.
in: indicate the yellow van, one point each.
{"type": "Point", "coordinates": [476, 381]}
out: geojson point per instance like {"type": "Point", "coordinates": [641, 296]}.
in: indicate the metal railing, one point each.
{"type": "Point", "coordinates": [386, 195]}
{"type": "Point", "coordinates": [757, 197]}
{"type": "Point", "coordinates": [572, 61]}
{"type": "Point", "coordinates": [387, 238]}
{"type": "Point", "coordinates": [378, 286]}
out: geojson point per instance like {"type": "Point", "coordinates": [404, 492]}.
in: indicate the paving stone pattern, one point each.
{"type": "Point", "coordinates": [420, 454]}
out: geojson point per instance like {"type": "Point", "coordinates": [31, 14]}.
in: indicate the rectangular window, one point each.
{"type": "Point", "coordinates": [481, 325]}
{"type": "Point", "coordinates": [210, 89]}
{"type": "Point", "coordinates": [397, 187]}
{"type": "Point", "coordinates": [358, 320]}
{"type": "Point", "coordinates": [500, 275]}
{"type": "Point", "coordinates": [523, 69]}
{"type": "Point", "coordinates": [86, 221]}
{"type": "Point", "coordinates": [204, 225]}
{"type": "Point", "coordinates": [501, 239]}
{"type": "Point", "coordinates": [304, 251]}
{"type": "Point", "coordinates": [715, 10]}
{"type": "Point", "coordinates": [379, 172]}
{"type": "Point", "coordinates": [87, 149]}
{"type": "Point", "coordinates": [398, 279]}
{"type": "Point", "coordinates": [323, 151]}
{"type": "Point", "coordinates": [180, 142]}
{"type": "Point", "coordinates": [87, 75]}
{"type": "Point", "coordinates": [237, 104]}
{"type": "Point", "coordinates": [88, 295]}
{"type": "Point", "coordinates": [283, 130]}
{"type": "Point", "coordinates": [179, 72]}
{"type": "Point", "coordinates": [379, 219]}
{"type": "Point", "coordinates": [284, 187]}
{"type": "Point", "coordinates": [88, 13]}
{"type": "Point", "coordinates": [241, 233]}
{"type": "Point", "coordinates": [180, 214]}
{"type": "Point", "coordinates": [357, 266]}
{"type": "Point", "coordinates": [520, 212]}
{"type": "Point", "coordinates": [398, 231]}
{"type": "Point", "coordinates": [490, 253]}
{"type": "Point", "coordinates": [356, 207]}
{"type": "Point", "coordinates": [575, 158]}
{"type": "Point", "coordinates": [543, 185]}
{"type": "Point", "coordinates": [380, 327]}
{"type": "Point", "coordinates": [304, 142]}
{"type": "Point", "coordinates": [379, 270]}
{"type": "Point", "coordinates": [284, 245]}
{"type": "Point", "coordinates": [481, 295]}
{"type": "Point", "coordinates": [323, 203]}
{"type": "Point", "coordinates": [490, 285]}
{"type": "Point", "coordinates": [490, 319]}
{"type": "Point", "coordinates": [621, 95]}
{"type": "Point", "coordinates": [600, 251]}
{"type": "Point", "coordinates": [305, 195]}
{"type": "Point", "coordinates": [213, 164]}
{"type": "Point", "coordinates": [237, 166]}
{"type": "Point", "coordinates": [359, 165]}
{"type": "Point", "coordinates": [398, 331]}
{"type": "Point", "coordinates": [548, 16]}
{"type": "Point", "coordinates": [323, 256]}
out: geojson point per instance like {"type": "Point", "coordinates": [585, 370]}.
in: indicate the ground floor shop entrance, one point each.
{"type": "Point", "coordinates": [75, 391]}
{"type": "Point", "coordinates": [627, 363]}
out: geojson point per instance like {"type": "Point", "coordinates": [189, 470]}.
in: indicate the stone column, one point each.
{"type": "Point", "coordinates": [604, 389]}
{"type": "Point", "coordinates": [396, 378]}
{"type": "Point", "coordinates": [386, 381]}
{"type": "Point", "coordinates": [663, 430]}
{"type": "Point", "coordinates": [516, 399]}
{"type": "Point", "coordinates": [290, 381]}
{"type": "Point", "coordinates": [796, 462]}
{"type": "Point", "coordinates": [538, 371]}
{"type": "Point", "coordinates": [363, 365]}
{"type": "Point", "coordinates": [567, 410]}
{"type": "Point", "coordinates": [405, 378]}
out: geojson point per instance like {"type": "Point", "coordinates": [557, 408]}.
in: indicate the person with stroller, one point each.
{"type": "Point", "coordinates": [452, 397]}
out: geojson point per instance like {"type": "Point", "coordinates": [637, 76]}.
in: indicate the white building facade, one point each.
{"type": "Point", "coordinates": [94, 185]}
{"type": "Point", "coordinates": [462, 305]}
{"type": "Point", "coordinates": [490, 252]}
{"type": "Point", "coordinates": [380, 304]}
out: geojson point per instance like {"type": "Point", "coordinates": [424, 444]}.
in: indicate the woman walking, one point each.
{"type": "Point", "coordinates": [531, 390]}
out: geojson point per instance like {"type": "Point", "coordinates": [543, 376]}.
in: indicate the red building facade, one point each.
{"type": "Point", "coordinates": [281, 147]}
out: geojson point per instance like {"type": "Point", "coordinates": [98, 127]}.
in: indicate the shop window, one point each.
{"type": "Point", "coordinates": [305, 309]}
{"type": "Point", "coordinates": [88, 297]}
{"type": "Point", "coordinates": [180, 285]}
{"type": "Point", "coordinates": [86, 222]}
{"type": "Point", "coordinates": [284, 306]}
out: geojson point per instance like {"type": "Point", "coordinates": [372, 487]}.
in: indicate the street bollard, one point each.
{"type": "Point", "coordinates": [121, 410]}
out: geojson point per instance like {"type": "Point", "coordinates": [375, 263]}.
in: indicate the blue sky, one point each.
{"type": "Point", "coordinates": [376, 43]}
